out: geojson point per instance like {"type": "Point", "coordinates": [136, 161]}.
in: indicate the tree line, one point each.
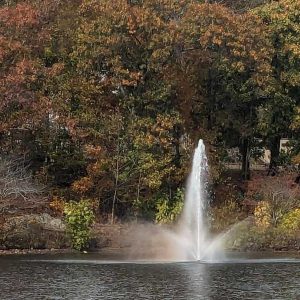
{"type": "Point", "coordinates": [105, 99]}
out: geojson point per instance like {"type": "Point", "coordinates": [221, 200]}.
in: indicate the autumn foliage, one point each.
{"type": "Point", "coordinates": [105, 99]}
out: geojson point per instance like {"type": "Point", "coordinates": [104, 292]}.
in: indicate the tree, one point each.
{"type": "Point", "coordinates": [241, 6]}
{"type": "Point", "coordinates": [120, 102]}
{"type": "Point", "coordinates": [282, 19]}
{"type": "Point", "coordinates": [21, 70]}
{"type": "Point", "coordinates": [230, 58]}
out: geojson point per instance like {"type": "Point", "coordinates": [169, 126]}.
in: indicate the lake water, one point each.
{"type": "Point", "coordinates": [104, 277]}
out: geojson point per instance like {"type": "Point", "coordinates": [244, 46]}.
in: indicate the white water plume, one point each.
{"type": "Point", "coordinates": [193, 222]}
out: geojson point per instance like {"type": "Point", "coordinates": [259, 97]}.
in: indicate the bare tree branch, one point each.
{"type": "Point", "coordinates": [16, 183]}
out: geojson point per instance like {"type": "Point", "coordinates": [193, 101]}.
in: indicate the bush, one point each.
{"type": "Point", "coordinates": [278, 196]}
{"type": "Point", "coordinates": [252, 238]}
{"type": "Point", "coordinates": [79, 217]}
{"type": "Point", "coordinates": [57, 204]}
{"type": "Point", "coordinates": [291, 220]}
{"type": "Point", "coordinates": [168, 211]}
{"type": "Point", "coordinates": [262, 214]}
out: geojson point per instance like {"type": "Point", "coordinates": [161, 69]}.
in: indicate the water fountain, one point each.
{"type": "Point", "coordinates": [189, 240]}
{"type": "Point", "coordinates": [193, 223]}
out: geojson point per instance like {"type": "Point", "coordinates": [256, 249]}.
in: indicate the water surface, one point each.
{"type": "Point", "coordinates": [106, 277]}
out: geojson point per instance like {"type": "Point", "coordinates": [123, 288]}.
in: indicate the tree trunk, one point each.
{"type": "Point", "coordinates": [245, 158]}
{"type": "Point", "coordinates": [176, 143]}
{"type": "Point", "coordinates": [115, 193]}
{"type": "Point", "coordinates": [275, 152]}
{"type": "Point", "coordinates": [139, 188]}
{"type": "Point", "coordinates": [116, 181]}
{"type": "Point", "coordinates": [211, 99]}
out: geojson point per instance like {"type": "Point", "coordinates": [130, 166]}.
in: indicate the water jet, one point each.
{"type": "Point", "coordinates": [193, 222]}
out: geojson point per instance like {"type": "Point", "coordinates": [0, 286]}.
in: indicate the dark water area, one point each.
{"type": "Point", "coordinates": [103, 276]}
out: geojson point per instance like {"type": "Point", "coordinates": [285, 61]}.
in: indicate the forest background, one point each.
{"type": "Point", "coordinates": [103, 102]}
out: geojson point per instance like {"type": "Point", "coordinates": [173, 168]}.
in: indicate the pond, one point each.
{"type": "Point", "coordinates": [105, 276]}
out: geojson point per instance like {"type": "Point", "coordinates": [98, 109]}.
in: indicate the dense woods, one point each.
{"type": "Point", "coordinates": [105, 100]}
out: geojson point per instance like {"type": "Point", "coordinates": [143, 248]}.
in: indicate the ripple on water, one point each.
{"type": "Point", "coordinates": [22, 278]}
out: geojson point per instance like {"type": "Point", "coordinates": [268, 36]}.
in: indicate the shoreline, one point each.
{"type": "Point", "coordinates": [36, 251]}
{"type": "Point", "coordinates": [106, 250]}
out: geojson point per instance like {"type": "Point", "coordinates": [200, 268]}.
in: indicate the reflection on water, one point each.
{"type": "Point", "coordinates": [90, 277]}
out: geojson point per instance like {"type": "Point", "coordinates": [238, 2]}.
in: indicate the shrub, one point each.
{"type": "Point", "coordinates": [253, 238]}
{"type": "Point", "coordinates": [79, 217]}
{"type": "Point", "coordinates": [168, 211]}
{"type": "Point", "coordinates": [57, 204]}
{"type": "Point", "coordinates": [281, 197]}
{"type": "Point", "coordinates": [291, 220]}
{"type": "Point", "coordinates": [278, 193]}
{"type": "Point", "coordinates": [262, 214]}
